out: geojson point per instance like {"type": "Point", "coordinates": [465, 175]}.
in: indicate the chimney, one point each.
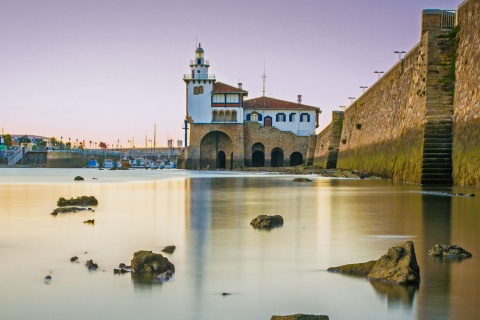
{"type": "Point", "coordinates": [299, 100]}
{"type": "Point", "coordinates": [240, 86]}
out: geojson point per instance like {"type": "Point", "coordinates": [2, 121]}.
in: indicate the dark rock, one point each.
{"type": "Point", "coordinates": [79, 201]}
{"type": "Point", "coordinates": [90, 221]}
{"type": "Point", "coordinates": [167, 275]}
{"type": "Point", "coordinates": [94, 178]}
{"type": "Point", "coordinates": [48, 278]}
{"type": "Point", "coordinates": [89, 209]}
{"type": "Point", "coordinates": [122, 265]}
{"type": "Point", "coordinates": [169, 249]}
{"type": "Point", "coordinates": [302, 180]}
{"type": "Point", "coordinates": [267, 222]}
{"type": "Point", "coordinates": [449, 251]}
{"type": "Point", "coordinates": [116, 271]}
{"type": "Point", "coordinates": [399, 266]}
{"type": "Point", "coordinates": [78, 178]}
{"type": "Point", "coordinates": [300, 317]}
{"type": "Point", "coordinates": [74, 259]}
{"type": "Point", "coordinates": [226, 294]}
{"type": "Point", "coordinates": [67, 210]}
{"type": "Point", "coordinates": [91, 265]}
{"type": "Point", "coordinates": [147, 261]}
{"type": "Point", "coordinates": [356, 269]}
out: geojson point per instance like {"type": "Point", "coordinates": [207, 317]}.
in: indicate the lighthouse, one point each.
{"type": "Point", "coordinates": [199, 85]}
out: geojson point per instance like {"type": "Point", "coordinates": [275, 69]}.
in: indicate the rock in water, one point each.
{"type": "Point", "coordinates": [167, 275]}
{"type": "Point", "coordinates": [355, 269]}
{"type": "Point", "coordinates": [78, 178]}
{"type": "Point", "coordinates": [449, 251]}
{"type": "Point", "coordinates": [169, 249]}
{"type": "Point", "coordinates": [267, 222]}
{"type": "Point", "coordinates": [74, 259]}
{"type": "Point", "coordinates": [300, 317]}
{"type": "Point", "coordinates": [399, 266]}
{"type": "Point", "coordinates": [91, 265]}
{"type": "Point", "coordinates": [79, 201]}
{"type": "Point", "coordinates": [302, 180]}
{"type": "Point", "coordinates": [147, 261]}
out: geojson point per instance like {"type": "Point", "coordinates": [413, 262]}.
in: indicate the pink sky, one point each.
{"type": "Point", "coordinates": [108, 70]}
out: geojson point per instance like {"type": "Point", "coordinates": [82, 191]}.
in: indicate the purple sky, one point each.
{"type": "Point", "coordinates": [108, 70]}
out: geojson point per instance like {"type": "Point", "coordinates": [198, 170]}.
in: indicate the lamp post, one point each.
{"type": "Point", "coordinates": [343, 108]}
{"type": "Point", "coordinates": [379, 73]}
{"type": "Point", "coordinates": [399, 54]}
{"type": "Point", "coordinates": [351, 99]}
{"type": "Point", "coordinates": [363, 88]}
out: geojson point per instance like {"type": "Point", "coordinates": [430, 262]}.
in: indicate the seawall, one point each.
{"type": "Point", "coordinates": [401, 127]}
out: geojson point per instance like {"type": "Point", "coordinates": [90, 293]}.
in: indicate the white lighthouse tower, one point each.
{"type": "Point", "coordinates": [199, 89]}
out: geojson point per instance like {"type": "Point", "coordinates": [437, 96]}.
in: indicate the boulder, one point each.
{"type": "Point", "coordinates": [167, 275]}
{"type": "Point", "coordinates": [91, 265]}
{"type": "Point", "coordinates": [147, 261]}
{"type": "Point", "coordinates": [79, 201]}
{"type": "Point", "coordinates": [169, 249]}
{"type": "Point", "coordinates": [92, 221]}
{"type": "Point", "coordinates": [302, 180]}
{"type": "Point", "coordinates": [398, 266]}
{"type": "Point", "coordinates": [78, 178]}
{"type": "Point", "coordinates": [300, 316]}
{"type": "Point", "coordinates": [67, 210]}
{"type": "Point", "coordinates": [355, 269]}
{"type": "Point", "coordinates": [267, 222]}
{"type": "Point", "coordinates": [74, 259]}
{"type": "Point", "coordinates": [449, 251]}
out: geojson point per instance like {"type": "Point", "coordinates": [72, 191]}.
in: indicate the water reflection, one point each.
{"type": "Point", "coordinates": [397, 296]}
{"type": "Point", "coordinates": [434, 295]}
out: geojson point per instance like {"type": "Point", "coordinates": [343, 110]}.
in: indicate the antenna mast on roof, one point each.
{"type": "Point", "coordinates": [264, 76]}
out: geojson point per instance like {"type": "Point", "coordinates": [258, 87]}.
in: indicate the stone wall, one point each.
{"type": "Point", "coordinates": [466, 143]}
{"type": "Point", "coordinates": [65, 160]}
{"type": "Point", "coordinates": [383, 129]}
{"type": "Point", "coordinates": [321, 149]}
{"type": "Point", "coordinates": [272, 138]}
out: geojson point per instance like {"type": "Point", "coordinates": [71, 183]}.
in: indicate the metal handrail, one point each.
{"type": "Point", "coordinates": [206, 62]}
{"type": "Point", "coordinates": [199, 77]}
{"type": "Point", "coordinates": [448, 19]}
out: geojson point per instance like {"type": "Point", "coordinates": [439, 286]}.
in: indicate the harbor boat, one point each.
{"type": "Point", "coordinates": [92, 163]}
{"type": "Point", "coordinates": [108, 164]}
{"type": "Point", "coordinates": [138, 163]}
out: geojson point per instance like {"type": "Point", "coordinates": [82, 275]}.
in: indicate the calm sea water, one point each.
{"type": "Point", "coordinates": [206, 215]}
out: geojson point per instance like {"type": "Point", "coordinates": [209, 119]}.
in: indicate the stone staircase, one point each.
{"type": "Point", "coordinates": [438, 134]}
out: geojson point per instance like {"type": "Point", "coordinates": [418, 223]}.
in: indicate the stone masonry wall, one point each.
{"type": "Point", "coordinates": [323, 143]}
{"type": "Point", "coordinates": [272, 138]}
{"type": "Point", "coordinates": [466, 143]}
{"type": "Point", "coordinates": [383, 129]}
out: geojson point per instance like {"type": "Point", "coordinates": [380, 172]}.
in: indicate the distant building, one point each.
{"type": "Point", "coordinates": [227, 131]}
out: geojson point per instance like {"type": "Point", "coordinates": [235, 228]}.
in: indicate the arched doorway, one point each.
{"type": "Point", "coordinates": [277, 157]}
{"type": "Point", "coordinates": [296, 159]}
{"type": "Point", "coordinates": [221, 160]}
{"type": "Point", "coordinates": [214, 148]}
{"type": "Point", "coordinates": [258, 155]}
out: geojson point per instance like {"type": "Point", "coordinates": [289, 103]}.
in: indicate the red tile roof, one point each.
{"type": "Point", "coordinates": [271, 103]}
{"type": "Point", "coordinates": [225, 88]}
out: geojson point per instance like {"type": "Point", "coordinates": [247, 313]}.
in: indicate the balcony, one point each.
{"type": "Point", "coordinates": [205, 62]}
{"type": "Point", "coordinates": [198, 77]}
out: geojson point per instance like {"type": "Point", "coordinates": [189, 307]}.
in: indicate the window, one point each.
{"type": "Point", "coordinates": [234, 116]}
{"type": "Point", "coordinates": [254, 116]}
{"type": "Point", "coordinates": [214, 116]}
{"type": "Point", "coordinates": [233, 98]}
{"type": "Point", "coordinates": [304, 117]}
{"type": "Point", "coordinates": [291, 117]}
{"type": "Point", "coordinates": [280, 117]}
{"type": "Point", "coordinates": [198, 90]}
{"type": "Point", "coordinates": [218, 98]}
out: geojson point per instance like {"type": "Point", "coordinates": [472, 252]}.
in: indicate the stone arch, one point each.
{"type": "Point", "coordinates": [216, 150]}
{"type": "Point", "coordinates": [214, 116]}
{"type": "Point", "coordinates": [234, 116]}
{"type": "Point", "coordinates": [277, 157]}
{"type": "Point", "coordinates": [296, 159]}
{"type": "Point", "coordinates": [258, 155]}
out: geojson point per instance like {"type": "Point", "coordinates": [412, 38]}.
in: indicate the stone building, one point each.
{"type": "Point", "coordinates": [227, 131]}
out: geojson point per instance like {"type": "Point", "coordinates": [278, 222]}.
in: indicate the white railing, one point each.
{"type": "Point", "coordinates": [199, 77]}
{"type": "Point", "coordinates": [448, 19]}
{"type": "Point", "coordinates": [14, 158]}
